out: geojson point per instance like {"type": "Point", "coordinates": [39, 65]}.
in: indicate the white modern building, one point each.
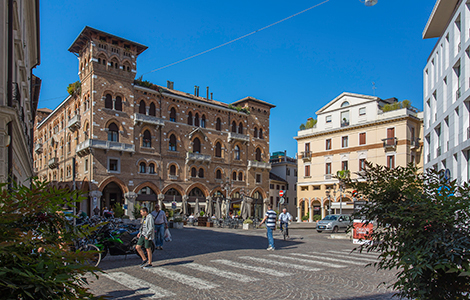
{"type": "Point", "coordinates": [447, 90]}
{"type": "Point", "coordinates": [283, 176]}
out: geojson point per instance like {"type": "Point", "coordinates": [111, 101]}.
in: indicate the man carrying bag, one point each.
{"type": "Point", "coordinates": [161, 224]}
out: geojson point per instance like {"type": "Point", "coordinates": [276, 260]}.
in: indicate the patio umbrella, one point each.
{"type": "Point", "coordinates": [224, 208]}
{"type": "Point", "coordinates": [243, 209]}
{"type": "Point", "coordinates": [184, 206]}
{"type": "Point", "coordinates": [209, 206]}
{"type": "Point", "coordinates": [227, 206]}
{"type": "Point", "coordinates": [218, 212]}
{"type": "Point", "coordinates": [196, 208]}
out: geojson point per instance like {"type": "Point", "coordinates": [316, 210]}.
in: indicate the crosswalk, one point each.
{"type": "Point", "coordinates": [242, 269]}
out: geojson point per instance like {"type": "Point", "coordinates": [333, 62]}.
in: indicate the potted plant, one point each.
{"type": "Point", "coordinates": [304, 218]}
{"type": "Point", "coordinates": [247, 224]}
{"type": "Point", "coordinates": [178, 223]}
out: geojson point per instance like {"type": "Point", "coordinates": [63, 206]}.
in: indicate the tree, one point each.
{"type": "Point", "coordinates": [36, 245]}
{"type": "Point", "coordinates": [74, 88]}
{"type": "Point", "coordinates": [423, 230]}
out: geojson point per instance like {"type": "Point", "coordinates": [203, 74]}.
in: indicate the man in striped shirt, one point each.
{"type": "Point", "coordinates": [270, 220]}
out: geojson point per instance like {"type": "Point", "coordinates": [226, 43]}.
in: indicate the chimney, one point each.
{"type": "Point", "coordinates": [196, 91]}
{"type": "Point", "coordinates": [207, 93]}
{"type": "Point", "coordinates": [212, 94]}
{"type": "Point", "coordinates": [170, 84]}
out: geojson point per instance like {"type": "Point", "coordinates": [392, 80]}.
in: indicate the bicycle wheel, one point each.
{"type": "Point", "coordinates": [95, 259]}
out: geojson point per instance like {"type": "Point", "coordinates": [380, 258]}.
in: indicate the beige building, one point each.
{"type": "Point", "coordinates": [19, 88]}
{"type": "Point", "coordinates": [125, 141]}
{"type": "Point", "coordinates": [350, 130]}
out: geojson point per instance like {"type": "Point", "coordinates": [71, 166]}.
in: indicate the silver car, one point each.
{"type": "Point", "coordinates": [334, 223]}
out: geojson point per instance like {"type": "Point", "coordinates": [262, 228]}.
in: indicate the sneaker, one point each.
{"type": "Point", "coordinates": [143, 263]}
{"type": "Point", "coordinates": [147, 266]}
{"type": "Point", "coordinates": [270, 248]}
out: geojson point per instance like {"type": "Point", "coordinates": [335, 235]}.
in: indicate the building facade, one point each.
{"type": "Point", "coordinates": [350, 130]}
{"type": "Point", "coordinates": [125, 141]}
{"type": "Point", "coordinates": [446, 90]}
{"type": "Point", "coordinates": [19, 88]}
{"type": "Point", "coordinates": [283, 176]}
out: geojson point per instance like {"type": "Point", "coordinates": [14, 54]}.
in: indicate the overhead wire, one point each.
{"type": "Point", "coordinates": [237, 39]}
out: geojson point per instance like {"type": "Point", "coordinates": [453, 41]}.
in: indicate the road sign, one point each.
{"type": "Point", "coordinates": [173, 205]}
{"type": "Point", "coordinates": [281, 193]}
{"type": "Point", "coordinates": [281, 201]}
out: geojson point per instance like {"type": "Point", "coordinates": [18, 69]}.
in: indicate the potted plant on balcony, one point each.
{"type": "Point", "coordinates": [247, 224]}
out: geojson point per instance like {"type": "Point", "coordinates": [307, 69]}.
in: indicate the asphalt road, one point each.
{"type": "Point", "coordinates": [212, 263]}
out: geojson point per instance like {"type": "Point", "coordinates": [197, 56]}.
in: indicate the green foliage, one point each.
{"type": "Point", "coordinates": [316, 217]}
{"type": "Point", "coordinates": [343, 174]}
{"type": "Point", "coordinates": [145, 83]}
{"type": "Point", "coordinates": [302, 126]}
{"type": "Point", "coordinates": [304, 218]}
{"type": "Point", "coordinates": [406, 104]}
{"type": "Point", "coordinates": [118, 210]}
{"type": "Point", "coordinates": [423, 230]}
{"type": "Point", "coordinates": [201, 213]}
{"type": "Point", "coordinates": [397, 105]}
{"type": "Point", "coordinates": [178, 219]}
{"type": "Point", "coordinates": [248, 221]}
{"type": "Point", "coordinates": [74, 88]}
{"type": "Point", "coordinates": [32, 219]}
{"type": "Point", "coordinates": [310, 123]}
{"type": "Point", "coordinates": [136, 211]}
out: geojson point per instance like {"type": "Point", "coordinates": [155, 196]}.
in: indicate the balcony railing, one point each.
{"type": "Point", "coordinates": [415, 143]}
{"type": "Point", "coordinates": [38, 148]}
{"type": "Point", "coordinates": [438, 151]}
{"type": "Point", "coordinates": [345, 123]}
{"type": "Point", "coordinates": [144, 119]}
{"type": "Point", "coordinates": [306, 155]}
{"type": "Point", "coordinates": [173, 177]}
{"type": "Point", "coordinates": [85, 147]}
{"type": "Point", "coordinates": [197, 157]}
{"type": "Point", "coordinates": [390, 143]}
{"type": "Point", "coordinates": [74, 123]}
{"type": "Point", "coordinates": [328, 176]}
{"type": "Point", "coordinates": [232, 136]}
{"type": "Point", "coordinates": [258, 165]}
{"type": "Point", "coordinates": [53, 163]}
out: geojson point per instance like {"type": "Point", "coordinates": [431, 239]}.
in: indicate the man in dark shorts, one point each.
{"type": "Point", "coordinates": [146, 236]}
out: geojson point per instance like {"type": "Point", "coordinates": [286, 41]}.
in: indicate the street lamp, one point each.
{"type": "Point", "coordinates": [227, 186]}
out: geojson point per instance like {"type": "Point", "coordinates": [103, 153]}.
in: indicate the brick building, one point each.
{"type": "Point", "coordinates": [125, 141]}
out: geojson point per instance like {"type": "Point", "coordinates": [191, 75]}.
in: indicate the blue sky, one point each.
{"type": "Point", "coordinates": [298, 65]}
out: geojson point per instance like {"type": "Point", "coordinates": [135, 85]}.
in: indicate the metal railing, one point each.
{"type": "Point", "coordinates": [141, 118]}
{"type": "Point", "coordinates": [344, 123]}
{"type": "Point", "coordinates": [415, 143]}
{"type": "Point", "coordinates": [74, 123]}
{"type": "Point", "coordinates": [306, 155]}
{"type": "Point", "coordinates": [105, 145]}
{"type": "Point", "coordinates": [328, 176]}
{"type": "Point", "coordinates": [389, 143]}
{"type": "Point", "coordinates": [198, 157]}
{"type": "Point", "coordinates": [53, 162]}
{"type": "Point", "coordinates": [232, 136]}
{"type": "Point", "coordinates": [258, 164]}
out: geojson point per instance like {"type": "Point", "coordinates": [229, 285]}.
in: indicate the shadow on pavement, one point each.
{"type": "Point", "coordinates": [386, 296]}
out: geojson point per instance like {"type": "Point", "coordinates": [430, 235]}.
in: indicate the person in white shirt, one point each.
{"type": "Point", "coordinates": [161, 224]}
{"type": "Point", "coordinates": [284, 219]}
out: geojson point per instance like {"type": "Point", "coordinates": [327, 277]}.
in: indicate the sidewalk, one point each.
{"type": "Point", "coordinates": [303, 225]}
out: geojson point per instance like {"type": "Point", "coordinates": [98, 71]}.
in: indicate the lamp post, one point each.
{"type": "Point", "coordinates": [227, 186]}
{"type": "Point", "coordinates": [328, 194]}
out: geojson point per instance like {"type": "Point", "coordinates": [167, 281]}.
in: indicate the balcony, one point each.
{"type": "Point", "coordinates": [390, 144]}
{"type": "Point", "coordinates": [38, 148]}
{"type": "Point", "coordinates": [306, 155]}
{"type": "Point", "coordinates": [345, 123]}
{"type": "Point", "coordinates": [74, 123]}
{"type": "Point", "coordinates": [173, 177]}
{"type": "Point", "coordinates": [197, 158]}
{"type": "Point", "coordinates": [53, 163]}
{"type": "Point", "coordinates": [258, 165]}
{"type": "Point", "coordinates": [415, 143]}
{"type": "Point", "coordinates": [232, 136]}
{"type": "Point", "coordinates": [144, 119]}
{"type": "Point", "coordinates": [328, 176]}
{"type": "Point", "coordinates": [438, 151]}
{"type": "Point", "coordinates": [85, 147]}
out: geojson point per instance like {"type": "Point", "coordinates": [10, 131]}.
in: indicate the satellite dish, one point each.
{"type": "Point", "coordinates": [369, 2]}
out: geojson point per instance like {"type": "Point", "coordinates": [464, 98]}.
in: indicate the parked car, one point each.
{"type": "Point", "coordinates": [334, 223]}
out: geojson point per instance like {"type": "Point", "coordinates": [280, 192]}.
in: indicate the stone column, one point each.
{"type": "Point", "coordinates": [95, 199]}
{"type": "Point", "coordinates": [322, 208]}
{"type": "Point", "coordinates": [310, 211]}
{"type": "Point", "coordinates": [265, 206]}
{"type": "Point", "coordinates": [160, 200]}
{"type": "Point", "coordinates": [299, 217]}
{"type": "Point", "coordinates": [130, 201]}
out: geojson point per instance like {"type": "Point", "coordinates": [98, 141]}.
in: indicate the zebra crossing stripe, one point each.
{"type": "Point", "coordinates": [370, 254]}
{"type": "Point", "coordinates": [327, 264]}
{"type": "Point", "coordinates": [221, 273]}
{"type": "Point", "coordinates": [271, 262]}
{"type": "Point", "coordinates": [322, 257]}
{"type": "Point", "coordinates": [352, 256]}
{"type": "Point", "coordinates": [252, 268]}
{"type": "Point", "coordinates": [139, 286]}
{"type": "Point", "coordinates": [182, 278]}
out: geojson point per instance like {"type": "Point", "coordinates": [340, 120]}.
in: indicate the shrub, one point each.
{"type": "Point", "coordinates": [248, 221]}
{"type": "Point", "coordinates": [316, 217]}
{"type": "Point", "coordinates": [74, 88]}
{"type": "Point", "coordinates": [302, 127]}
{"type": "Point", "coordinates": [304, 218]}
{"type": "Point", "coordinates": [118, 210]}
{"type": "Point", "coordinates": [136, 211]}
{"type": "Point", "coordinates": [31, 219]}
{"type": "Point", "coordinates": [424, 230]}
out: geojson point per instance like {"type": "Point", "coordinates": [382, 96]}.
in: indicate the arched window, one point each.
{"type": "Point", "coordinates": [113, 133]}
{"type": "Point", "coordinates": [258, 154]}
{"type": "Point", "coordinates": [152, 110]}
{"type": "Point", "coordinates": [240, 176]}
{"type": "Point", "coordinates": [190, 118]}
{"type": "Point", "coordinates": [108, 101]}
{"type": "Point", "coordinates": [118, 103]}
{"type": "Point", "coordinates": [173, 170]}
{"type": "Point", "coordinates": [193, 172]}
{"type": "Point", "coordinates": [69, 144]}
{"type": "Point", "coordinates": [218, 150]}
{"type": "Point", "coordinates": [147, 139]}
{"type": "Point", "coordinates": [234, 127]}
{"type": "Point", "coordinates": [201, 173]}
{"type": "Point", "coordinates": [203, 121]}
{"type": "Point", "coordinates": [197, 145]}
{"type": "Point", "coordinates": [152, 168]}
{"type": "Point", "coordinates": [237, 153]}
{"type": "Point", "coordinates": [255, 132]}
{"type": "Point", "coordinates": [344, 104]}
{"type": "Point", "coordinates": [261, 133]}
{"type": "Point", "coordinates": [240, 128]}
{"type": "Point", "coordinates": [142, 167]}
{"type": "Point", "coordinates": [218, 174]}
{"type": "Point", "coordinates": [172, 114]}
{"type": "Point", "coordinates": [142, 109]}
{"type": "Point", "coordinates": [196, 120]}
{"type": "Point", "coordinates": [172, 143]}
{"type": "Point", "coordinates": [218, 124]}
{"type": "Point", "coordinates": [234, 175]}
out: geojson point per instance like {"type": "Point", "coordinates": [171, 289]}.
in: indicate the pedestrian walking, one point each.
{"type": "Point", "coordinates": [270, 220]}
{"type": "Point", "coordinates": [284, 219]}
{"type": "Point", "coordinates": [96, 211]}
{"type": "Point", "coordinates": [161, 224]}
{"type": "Point", "coordinates": [146, 236]}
